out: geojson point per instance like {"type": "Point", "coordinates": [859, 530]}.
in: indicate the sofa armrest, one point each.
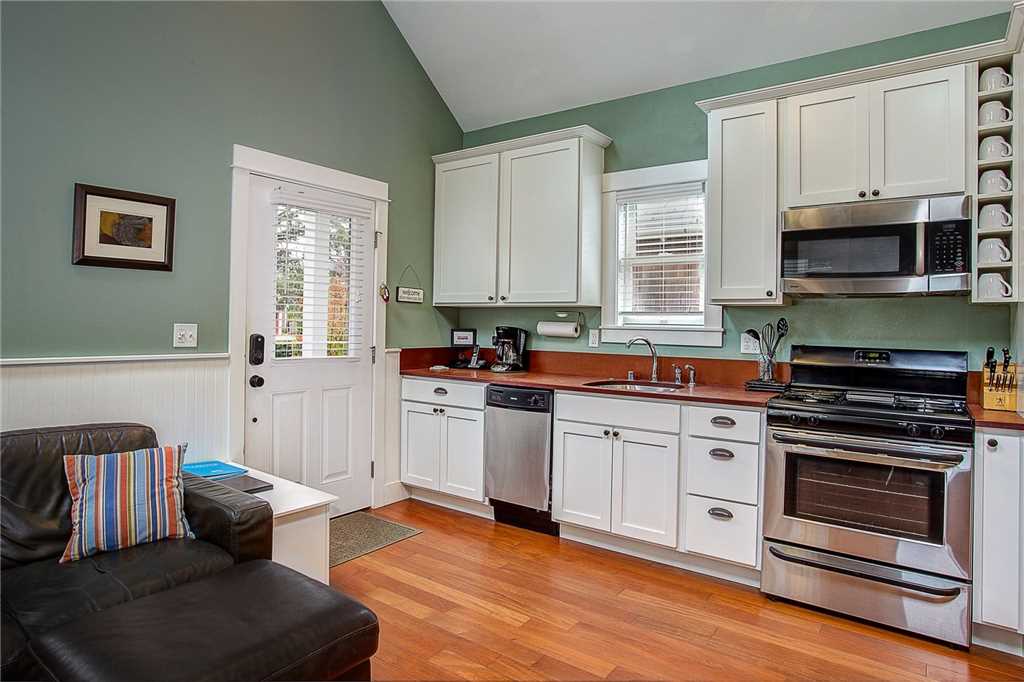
{"type": "Point", "coordinates": [237, 522]}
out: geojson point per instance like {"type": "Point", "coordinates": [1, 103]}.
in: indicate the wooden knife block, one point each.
{"type": "Point", "coordinates": [1000, 394]}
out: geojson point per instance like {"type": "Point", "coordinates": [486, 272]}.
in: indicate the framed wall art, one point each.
{"type": "Point", "coordinates": [120, 229]}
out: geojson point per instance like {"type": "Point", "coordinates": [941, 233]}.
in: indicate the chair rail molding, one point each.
{"type": "Point", "coordinates": [1009, 44]}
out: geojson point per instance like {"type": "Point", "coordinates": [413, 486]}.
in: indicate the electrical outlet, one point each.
{"type": "Point", "coordinates": [595, 338]}
{"type": "Point", "coordinates": [186, 335]}
{"type": "Point", "coordinates": [750, 345]}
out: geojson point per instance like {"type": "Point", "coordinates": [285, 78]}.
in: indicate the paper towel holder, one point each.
{"type": "Point", "coordinates": [581, 319]}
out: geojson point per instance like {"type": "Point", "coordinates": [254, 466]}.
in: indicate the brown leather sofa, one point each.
{"type": "Point", "coordinates": [214, 607]}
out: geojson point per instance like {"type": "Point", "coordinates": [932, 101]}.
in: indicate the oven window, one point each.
{"type": "Point", "coordinates": [888, 251]}
{"type": "Point", "coordinates": [903, 503]}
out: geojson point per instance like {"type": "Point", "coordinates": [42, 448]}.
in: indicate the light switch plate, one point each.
{"type": "Point", "coordinates": [749, 345]}
{"type": "Point", "coordinates": [595, 338]}
{"type": "Point", "coordinates": [186, 335]}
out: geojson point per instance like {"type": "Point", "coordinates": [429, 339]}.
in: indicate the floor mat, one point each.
{"type": "Point", "coordinates": [359, 533]}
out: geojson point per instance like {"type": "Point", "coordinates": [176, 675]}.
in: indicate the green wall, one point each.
{"type": "Point", "coordinates": [151, 97]}
{"type": "Point", "coordinates": [665, 126]}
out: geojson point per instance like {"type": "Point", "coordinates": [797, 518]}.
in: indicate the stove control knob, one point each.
{"type": "Point", "coordinates": [913, 430]}
{"type": "Point", "coordinates": [938, 432]}
{"type": "Point", "coordinates": [794, 419]}
{"type": "Point", "coordinates": [813, 421]}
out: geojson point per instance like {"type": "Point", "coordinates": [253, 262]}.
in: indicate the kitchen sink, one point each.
{"type": "Point", "coordinates": [639, 386]}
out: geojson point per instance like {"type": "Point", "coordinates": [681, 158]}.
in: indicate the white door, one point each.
{"type": "Point", "coordinates": [582, 476]}
{"type": "Point", "coordinates": [462, 453]}
{"type": "Point", "coordinates": [645, 486]}
{"type": "Point", "coordinates": [309, 296]}
{"type": "Point", "coordinates": [539, 214]}
{"type": "Point", "coordinates": [466, 230]}
{"type": "Point", "coordinates": [998, 528]}
{"type": "Point", "coordinates": [918, 134]}
{"type": "Point", "coordinates": [743, 256]}
{"type": "Point", "coordinates": [421, 444]}
{"type": "Point", "coordinates": [827, 150]}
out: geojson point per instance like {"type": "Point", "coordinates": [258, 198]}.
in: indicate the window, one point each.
{"type": "Point", "coordinates": [320, 266]}
{"type": "Point", "coordinates": [655, 218]}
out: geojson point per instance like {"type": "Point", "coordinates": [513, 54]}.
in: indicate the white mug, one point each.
{"type": "Point", "coordinates": [992, 251]}
{"type": "Point", "coordinates": [992, 285]}
{"type": "Point", "coordinates": [994, 78]}
{"type": "Point", "coordinates": [994, 147]}
{"type": "Point", "coordinates": [994, 216]}
{"type": "Point", "coordinates": [994, 112]}
{"type": "Point", "coordinates": [993, 182]}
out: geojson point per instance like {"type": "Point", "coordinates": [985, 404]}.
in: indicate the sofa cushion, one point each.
{"type": "Point", "coordinates": [36, 519]}
{"type": "Point", "coordinates": [16, 661]}
{"type": "Point", "coordinates": [256, 621]}
{"type": "Point", "coordinates": [123, 499]}
{"type": "Point", "coordinates": [46, 594]}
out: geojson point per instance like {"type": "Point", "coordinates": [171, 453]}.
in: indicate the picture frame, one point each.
{"type": "Point", "coordinates": [117, 228]}
{"type": "Point", "coordinates": [463, 338]}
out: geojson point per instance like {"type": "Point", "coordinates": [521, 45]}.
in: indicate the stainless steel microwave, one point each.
{"type": "Point", "coordinates": [901, 247]}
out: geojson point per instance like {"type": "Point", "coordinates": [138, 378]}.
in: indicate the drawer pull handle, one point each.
{"type": "Point", "coordinates": [721, 453]}
{"type": "Point", "coordinates": [723, 421]}
{"type": "Point", "coordinates": [720, 513]}
{"type": "Point", "coordinates": [440, 391]}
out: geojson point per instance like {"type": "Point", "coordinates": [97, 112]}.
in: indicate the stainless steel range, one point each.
{"type": "Point", "coordinates": [868, 488]}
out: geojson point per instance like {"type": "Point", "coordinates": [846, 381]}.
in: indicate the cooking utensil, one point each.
{"type": "Point", "coordinates": [768, 337]}
{"type": "Point", "coordinates": [781, 330]}
{"type": "Point", "coordinates": [1006, 359]}
{"type": "Point", "coordinates": [990, 363]}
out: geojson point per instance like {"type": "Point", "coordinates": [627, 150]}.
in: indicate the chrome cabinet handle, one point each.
{"type": "Point", "coordinates": [440, 391]}
{"type": "Point", "coordinates": [720, 513]}
{"type": "Point", "coordinates": [723, 421]}
{"type": "Point", "coordinates": [721, 453]}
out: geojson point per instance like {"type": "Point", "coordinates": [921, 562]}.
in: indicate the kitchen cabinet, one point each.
{"type": "Point", "coordinates": [582, 475]}
{"type": "Point", "coordinates": [421, 445]}
{"type": "Point", "coordinates": [998, 528]}
{"type": "Point", "coordinates": [645, 485]}
{"type": "Point", "coordinates": [892, 138]}
{"type": "Point", "coordinates": [519, 222]}
{"type": "Point", "coordinates": [742, 203]}
{"type": "Point", "coordinates": [466, 222]}
{"type": "Point", "coordinates": [462, 453]}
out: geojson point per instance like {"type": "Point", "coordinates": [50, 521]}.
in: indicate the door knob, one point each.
{"type": "Point", "coordinates": [256, 381]}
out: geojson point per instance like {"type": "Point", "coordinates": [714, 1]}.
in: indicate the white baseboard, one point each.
{"type": "Point", "coordinates": [998, 639]}
{"type": "Point", "coordinates": [389, 493]}
{"type": "Point", "coordinates": [485, 511]}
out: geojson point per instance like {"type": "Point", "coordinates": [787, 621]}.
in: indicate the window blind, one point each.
{"type": "Point", "coordinates": [322, 266]}
{"type": "Point", "coordinates": [661, 254]}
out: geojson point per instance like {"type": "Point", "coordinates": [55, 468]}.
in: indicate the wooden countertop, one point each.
{"type": "Point", "coordinates": [995, 419]}
{"type": "Point", "coordinates": [726, 395]}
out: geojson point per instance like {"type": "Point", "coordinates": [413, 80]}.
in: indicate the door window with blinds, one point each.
{"type": "Point", "coordinates": [660, 256]}
{"type": "Point", "coordinates": [321, 266]}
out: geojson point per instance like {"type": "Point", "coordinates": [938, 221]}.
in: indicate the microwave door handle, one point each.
{"type": "Point", "coordinates": [896, 582]}
{"type": "Point", "coordinates": [919, 261]}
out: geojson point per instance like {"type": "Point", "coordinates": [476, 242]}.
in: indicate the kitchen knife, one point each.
{"type": "Point", "coordinates": [1006, 360]}
{"type": "Point", "coordinates": [990, 364]}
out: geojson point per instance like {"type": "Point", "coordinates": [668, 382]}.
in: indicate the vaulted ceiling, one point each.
{"type": "Point", "coordinates": [495, 62]}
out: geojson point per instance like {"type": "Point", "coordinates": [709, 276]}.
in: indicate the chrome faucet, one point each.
{"type": "Point", "coordinates": [654, 354]}
{"type": "Point", "coordinates": [692, 375]}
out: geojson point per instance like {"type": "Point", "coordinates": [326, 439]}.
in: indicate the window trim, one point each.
{"type": "Point", "coordinates": [711, 333]}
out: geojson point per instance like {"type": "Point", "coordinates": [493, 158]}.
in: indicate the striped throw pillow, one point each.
{"type": "Point", "coordinates": [124, 499]}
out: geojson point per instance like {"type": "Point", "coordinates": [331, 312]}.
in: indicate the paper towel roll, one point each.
{"type": "Point", "coordinates": [565, 330]}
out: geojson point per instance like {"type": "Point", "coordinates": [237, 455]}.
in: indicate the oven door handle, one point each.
{"type": "Point", "coordinates": [925, 458]}
{"type": "Point", "coordinates": [896, 582]}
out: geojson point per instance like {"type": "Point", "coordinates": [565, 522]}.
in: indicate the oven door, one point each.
{"type": "Point", "coordinates": [903, 504]}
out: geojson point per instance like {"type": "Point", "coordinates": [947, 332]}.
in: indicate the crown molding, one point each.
{"type": "Point", "coordinates": [583, 132]}
{"type": "Point", "coordinates": [1008, 45]}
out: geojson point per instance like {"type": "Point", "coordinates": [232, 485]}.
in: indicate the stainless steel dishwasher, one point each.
{"type": "Point", "coordinates": [517, 454]}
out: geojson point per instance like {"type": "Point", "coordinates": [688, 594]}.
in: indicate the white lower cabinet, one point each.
{"type": "Point", "coordinates": [645, 485]}
{"type": "Point", "coordinates": [421, 444]}
{"type": "Point", "coordinates": [998, 528]}
{"type": "Point", "coordinates": [720, 529]}
{"type": "Point", "coordinates": [582, 475]}
{"type": "Point", "coordinates": [462, 453]}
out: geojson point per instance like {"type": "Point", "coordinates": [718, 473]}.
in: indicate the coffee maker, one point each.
{"type": "Point", "coordinates": [509, 349]}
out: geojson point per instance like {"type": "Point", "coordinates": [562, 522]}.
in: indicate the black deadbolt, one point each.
{"type": "Point", "coordinates": [255, 349]}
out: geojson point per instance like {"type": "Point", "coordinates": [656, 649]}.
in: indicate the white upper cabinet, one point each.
{"type": "Point", "coordinates": [519, 222]}
{"type": "Point", "coordinates": [742, 204]}
{"type": "Point", "coordinates": [466, 222]}
{"type": "Point", "coordinates": [826, 146]}
{"type": "Point", "coordinates": [887, 139]}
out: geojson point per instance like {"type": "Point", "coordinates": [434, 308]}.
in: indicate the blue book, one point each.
{"type": "Point", "coordinates": [213, 468]}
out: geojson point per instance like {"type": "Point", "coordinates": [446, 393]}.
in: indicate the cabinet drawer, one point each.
{"type": "Point", "coordinates": [713, 422]}
{"type": "Point", "coordinates": [724, 530]}
{"type": "Point", "coordinates": [723, 469]}
{"type": "Point", "coordinates": [456, 393]}
{"type": "Point", "coordinates": [632, 414]}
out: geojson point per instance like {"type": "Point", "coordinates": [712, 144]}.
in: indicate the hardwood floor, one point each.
{"type": "Point", "coordinates": [470, 599]}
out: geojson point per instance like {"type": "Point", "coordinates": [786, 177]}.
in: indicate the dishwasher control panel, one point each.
{"type": "Point", "coordinates": [538, 400]}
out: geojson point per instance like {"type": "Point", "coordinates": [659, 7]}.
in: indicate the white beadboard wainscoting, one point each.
{"type": "Point", "coordinates": [183, 399]}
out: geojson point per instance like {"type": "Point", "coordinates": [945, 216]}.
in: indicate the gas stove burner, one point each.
{"type": "Point", "coordinates": [819, 396]}
{"type": "Point", "coordinates": [930, 405]}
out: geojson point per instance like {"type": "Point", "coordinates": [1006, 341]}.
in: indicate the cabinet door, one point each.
{"type": "Point", "coordinates": [827, 150]}
{"type": "Point", "coordinates": [466, 230]}
{"type": "Point", "coordinates": [538, 252]}
{"type": "Point", "coordinates": [743, 245]}
{"type": "Point", "coordinates": [421, 444]}
{"type": "Point", "coordinates": [645, 486]}
{"type": "Point", "coordinates": [998, 531]}
{"type": "Point", "coordinates": [918, 134]}
{"type": "Point", "coordinates": [462, 453]}
{"type": "Point", "coordinates": [582, 476]}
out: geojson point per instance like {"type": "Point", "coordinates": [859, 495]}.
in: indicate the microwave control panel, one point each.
{"type": "Point", "coordinates": [949, 250]}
